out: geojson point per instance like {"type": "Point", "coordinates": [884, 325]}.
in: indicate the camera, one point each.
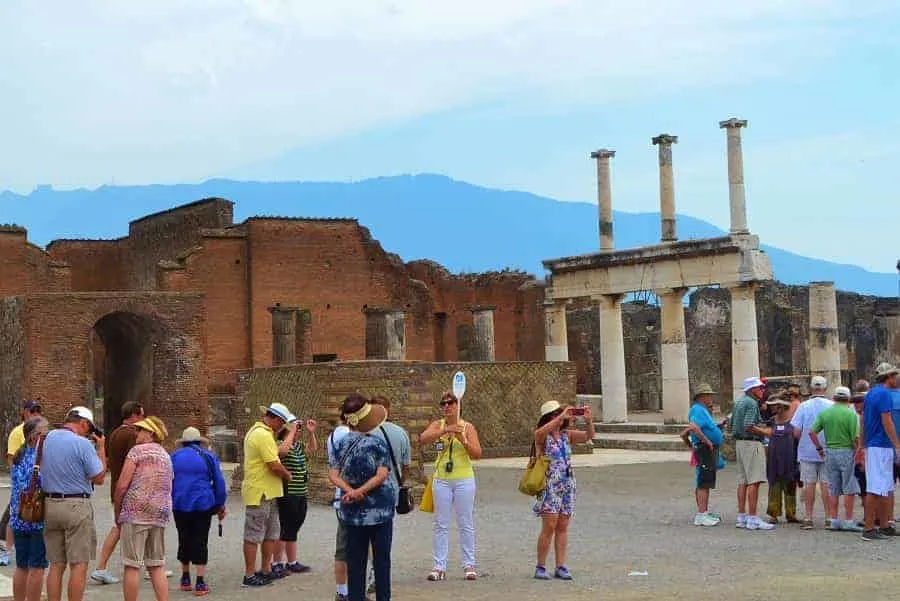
{"type": "Point", "coordinates": [448, 467]}
{"type": "Point", "coordinates": [96, 431]}
{"type": "Point", "coordinates": [578, 412]}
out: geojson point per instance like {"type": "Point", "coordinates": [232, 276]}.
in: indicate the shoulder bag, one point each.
{"type": "Point", "coordinates": [405, 504]}
{"type": "Point", "coordinates": [534, 480]}
{"type": "Point", "coordinates": [31, 500]}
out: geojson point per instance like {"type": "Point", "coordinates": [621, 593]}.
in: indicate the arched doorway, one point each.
{"type": "Point", "coordinates": [122, 363]}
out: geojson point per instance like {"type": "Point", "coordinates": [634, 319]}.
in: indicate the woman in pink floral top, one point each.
{"type": "Point", "coordinates": [143, 506]}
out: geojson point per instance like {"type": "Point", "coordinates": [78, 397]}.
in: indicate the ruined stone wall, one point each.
{"type": "Point", "coordinates": [501, 400]}
{"type": "Point", "coordinates": [12, 363]}
{"type": "Point", "coordinates": [530, 322]}
{"type": "Point", "coordinates": [168, 234]}
{"type": "Point", "coordinates": [26, 268]}
{"type": "Point", "coordinates": [97, 265]}
{"type": "Point", "coordinates": [58, 327]}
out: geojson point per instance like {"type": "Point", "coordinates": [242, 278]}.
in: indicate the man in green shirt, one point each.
{"type": "Point", "coordinates": [841, 426]}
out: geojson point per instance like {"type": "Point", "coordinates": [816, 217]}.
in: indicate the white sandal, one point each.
{"type": "Point", "coordinates": [436, 575]}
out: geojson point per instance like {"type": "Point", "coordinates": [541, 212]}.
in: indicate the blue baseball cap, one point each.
{"type": "Point", "coordinates": [31, 406]}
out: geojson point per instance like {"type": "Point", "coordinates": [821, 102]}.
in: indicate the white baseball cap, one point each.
{"type": "Point", "coordinates": [818, 382]}
{"type": "Point", "coordinates": [83, 413]}
{"type": "Point", "coordinates": [750, 383]}
{"type": "Point", "coordinates": [842, 392]}
{"type": "Point", "coordinates": [279, 411]}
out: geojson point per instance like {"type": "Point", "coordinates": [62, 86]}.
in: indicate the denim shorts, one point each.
{"type": "Point", "coordinates": [30, 550]}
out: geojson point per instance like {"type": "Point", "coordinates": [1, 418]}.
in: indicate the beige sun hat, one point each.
{"type": "Point", "coordinates": [549, 407]}
{"type": "Point", "coordinates": [703, 388]}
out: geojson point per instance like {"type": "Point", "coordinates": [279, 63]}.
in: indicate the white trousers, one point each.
{"type": "Point", "coordinates": [453, 496]}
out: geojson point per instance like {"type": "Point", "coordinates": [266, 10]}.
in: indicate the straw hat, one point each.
{"type": "Point", "coordinates": [155, 426]}
{"type": "Point", "coordinates": [549, 407]}
{"type": "Point", "coordinates": [703, 389]}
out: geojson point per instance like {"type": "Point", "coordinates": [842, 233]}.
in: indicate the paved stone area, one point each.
{"type": "Point", "coordinates": [631, 518]}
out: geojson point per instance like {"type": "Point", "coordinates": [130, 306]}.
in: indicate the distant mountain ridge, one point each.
{"type": "Point", "coordinates": [464, 227]}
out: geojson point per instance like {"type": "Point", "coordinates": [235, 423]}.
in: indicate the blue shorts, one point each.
{"type": "Point", "coordinates": [30, 550]}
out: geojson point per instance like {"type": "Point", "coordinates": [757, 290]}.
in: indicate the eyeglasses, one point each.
{"type": "Point", "coordinates": [446, 403]}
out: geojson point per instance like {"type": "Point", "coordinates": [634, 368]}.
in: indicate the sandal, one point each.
{"type": "Point", "coordinates": [471, 574]}
{"type": "Point", "coordinates": [435, 575]}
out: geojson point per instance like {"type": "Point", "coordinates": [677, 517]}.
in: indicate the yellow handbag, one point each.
{"type": "Point", "coordinates": [534, 480]}
{"type": "Point", "coordinates": [427, 503]}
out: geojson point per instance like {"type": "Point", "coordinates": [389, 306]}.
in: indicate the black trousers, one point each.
{"type": "Point", "coordinates": [193, 536]}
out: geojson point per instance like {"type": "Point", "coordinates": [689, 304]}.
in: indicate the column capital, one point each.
{"type": "Point", "coordinates": [733, 123]}
{"type": "Point", "coordinates": [551, 303]}
{"type": "Point", "coordinates": [670, 291]}
{"type": "Point", "coordinates": [738, 285]}
{"type": "Point", "coordinates": [664, 139]}
{"type": "Point", "coordinates": [603, 153]}
{"type": "Point", "coordinates": [608, 298]}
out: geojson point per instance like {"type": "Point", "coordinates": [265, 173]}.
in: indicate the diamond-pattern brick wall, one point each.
{"type": "Point", "coordinates": [501, 400]}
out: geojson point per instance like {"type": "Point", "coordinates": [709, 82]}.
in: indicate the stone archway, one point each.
{"type": "Point", "coordinates": [121, 357]}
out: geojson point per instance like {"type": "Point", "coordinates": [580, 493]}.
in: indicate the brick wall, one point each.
{"type": "Point", "coordinates": [12, 363]}
{"type": "Point", "coordinates": [168, 234]}
{"type": "Point", "coordinates": [58, 365]}
{"type": "Point", "coordinates": [502, 399]}
{"type": "Point", "coordinates": [26, 268]}
{"type": "Point", "coordinates": [96, 265]}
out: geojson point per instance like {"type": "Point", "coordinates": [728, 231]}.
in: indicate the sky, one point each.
{"type": "Point", "coordinates": [512, 94]}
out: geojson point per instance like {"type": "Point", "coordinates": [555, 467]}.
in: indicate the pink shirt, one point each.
{"type": "Point", "coordinates": [148, 499]}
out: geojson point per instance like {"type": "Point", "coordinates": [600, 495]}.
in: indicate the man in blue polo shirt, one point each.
{"type": "Point", "coordinates": [881, 445]}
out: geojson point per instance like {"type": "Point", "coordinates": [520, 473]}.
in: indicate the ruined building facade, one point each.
{"type": "Point", "coordinates": [170, 313]}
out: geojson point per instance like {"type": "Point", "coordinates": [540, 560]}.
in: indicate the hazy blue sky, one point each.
{"type": "Point", "coordinates": [512, 94]}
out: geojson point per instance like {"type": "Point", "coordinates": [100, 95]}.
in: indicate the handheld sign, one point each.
{"type": "Point", "coordinates": [459, 389]}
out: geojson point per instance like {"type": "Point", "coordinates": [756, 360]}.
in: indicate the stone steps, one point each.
{"type": "Point", "coordinates": [639, 441]}
{"type": "Point", "coordinates": [639, 428]}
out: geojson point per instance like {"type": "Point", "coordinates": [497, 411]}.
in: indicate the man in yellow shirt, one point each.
{"type": "Point", "coordinates": [15, 441]}
{"type": "Point", "coordinates": [263, 476]}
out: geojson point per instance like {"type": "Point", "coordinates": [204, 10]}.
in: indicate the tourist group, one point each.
{"type": "Point", "coordinates": [50, 518]}
{"type": "Point", "coordinates": [845, 446]}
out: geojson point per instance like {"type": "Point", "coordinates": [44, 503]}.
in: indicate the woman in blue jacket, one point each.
{"type": "Point", "coordinates": [198, 492]}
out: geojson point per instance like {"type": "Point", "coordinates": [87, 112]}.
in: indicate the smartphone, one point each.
{"type": "Point", "coordinates": [220, 528]}
{"type": "Point", "coordinates": [578, 412]}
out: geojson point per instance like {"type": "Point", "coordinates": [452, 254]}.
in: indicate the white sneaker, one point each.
{"type": "Point", "coordinates": [755, 523]}
{"type": "Point", "coordinates": [704, 519]}
{"type": "Point", "coordinates": [741, 521]}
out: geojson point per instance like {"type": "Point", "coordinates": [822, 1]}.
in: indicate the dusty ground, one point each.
{"type": "Point", "coordinates": [630, 518]}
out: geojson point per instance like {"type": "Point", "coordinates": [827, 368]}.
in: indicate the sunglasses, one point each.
{"type": "Point", "coordinates": [446, 403]}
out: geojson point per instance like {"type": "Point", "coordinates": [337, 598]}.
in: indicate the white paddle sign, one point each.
{"type": "Point", "coordinates": [459, 389]}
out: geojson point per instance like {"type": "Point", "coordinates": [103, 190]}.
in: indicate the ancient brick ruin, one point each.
{"type": "Point", "coordinates": [171, 313]}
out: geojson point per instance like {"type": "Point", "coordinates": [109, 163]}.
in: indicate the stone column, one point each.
{"type": "Point", "coordinates": [284, 335]}
{"type": "Point", "coordinates": [676, 391]}
{"type": "Point", "coordinates": [304, 336]}
{"type": "Point", "coordinates": [483, 339]}
{"type": "Point", "coordinates": [604, 197]}
{"type": "Point", "coordinates": [744, 337]}
{"type": "Point", "coordinates": [556, 340]}
{"type": "Point", "coordinates": [666, 186]}
{"type": "Point", "coordinates": [736, 199]}
{"type": "Point", "coordinates": [824, 348]}
{"type": "Point", "coordinates": [612, 359]}
{"type": "Point", "coordinates": [385, 334]}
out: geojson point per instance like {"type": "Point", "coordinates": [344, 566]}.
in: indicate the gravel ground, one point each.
{"type": "Point", "coordinates": [630, 518]}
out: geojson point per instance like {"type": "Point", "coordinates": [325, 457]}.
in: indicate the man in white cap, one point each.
{"type": "Point", "coordinates": [812, 463]}
{"type": "Point", "coordinates": [840, 425]}
{"type": "Point", "coordinates": [262, 485]}
{"type": "Point", "coordinates": [881, 451]}
{"type": "Point", "coordinates": [746, 423]}
{"type": "Point", "coordinates": [74, 460]}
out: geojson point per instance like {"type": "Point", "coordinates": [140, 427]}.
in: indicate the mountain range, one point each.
{"type": "Point", "coordinates": [464, 227]}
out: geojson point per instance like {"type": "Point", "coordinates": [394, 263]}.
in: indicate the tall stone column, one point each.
{"type": "Point", "coordinates": [284, 335]}
{"type": "Point", "coordinates": [744, 336]}
{"type": "Point", "coordinates": [824, 347]}
{"type": "Point", "coordinates": [556, 339]}
{"type": "Point", "coordinates": [666, 186]}
{"type": "Point", "coordinates": [604, 197]}
{"type": "Point", "coordinates": [612, 359]}
{"type": "Point", "coordinates": [385, 334]}
{"type": "Point", "coordinates": [736, 198]}
{"type": "Point", "coordinates": [676, 391]}
{"type": "Point", "coordinates": [483, 339]}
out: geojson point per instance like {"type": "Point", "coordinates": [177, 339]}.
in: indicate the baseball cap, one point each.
{"type": "Point", "coordinates": [280, 411]}
{"type": "Point", "coordinates": [842, 392]}
{"type": "Point", "coordinates": [753, 382]}
{"type": "Point", "coordinates": [886, 369]}
{"type": "Point", "coordinates": [31, 405]}
{"type": "Point", "coordinates": [818, 382]}
{"type": "Point", "coordinates": [83, 413]}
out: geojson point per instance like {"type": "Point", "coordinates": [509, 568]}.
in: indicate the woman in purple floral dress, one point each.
{"type": "Point", "coordinates": [556, 503]}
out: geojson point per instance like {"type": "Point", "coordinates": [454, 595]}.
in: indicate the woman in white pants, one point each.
{"type": "Point", "coordinates": [453, 485]}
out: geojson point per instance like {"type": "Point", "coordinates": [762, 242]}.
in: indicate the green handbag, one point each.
{"type": "Point", "coordinates": [534, 480]}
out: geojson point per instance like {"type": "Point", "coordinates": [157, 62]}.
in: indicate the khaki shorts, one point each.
{"type": "Point", "coordinates": [261, 522]}
{"type": "Point", "coordinates": [751, 461]}
{"type": "Point", "coordinates": [812, 472]}
{"type": "Point", "coordinates": [142, 545]}
{"type": "Point", "coordinates": [69, 532]}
